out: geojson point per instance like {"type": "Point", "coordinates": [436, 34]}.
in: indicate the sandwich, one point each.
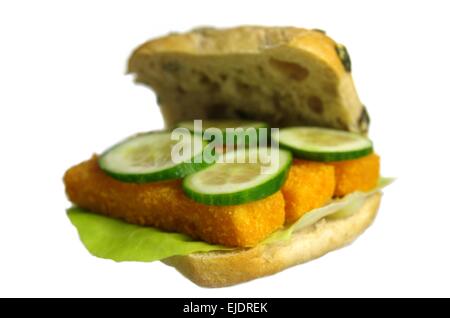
{"type": "Point", "coordinates": [264, 164]}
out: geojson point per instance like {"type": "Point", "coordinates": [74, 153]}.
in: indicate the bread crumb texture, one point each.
{"type": "Point", "coordinates": [359, 174]}
{"type": "Point", "coordinates": [309, 185]}
{"type": "Point", "coordinates": [284, 76]}
{"type": "Point", "coordinates": [165, 206]}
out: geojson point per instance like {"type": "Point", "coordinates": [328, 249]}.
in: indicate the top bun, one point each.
{"type": "Point", "coordinates": [282, 75]}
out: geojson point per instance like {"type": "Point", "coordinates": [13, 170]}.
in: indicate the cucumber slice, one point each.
{"type": "Point", "coordinates": [148, 157]}
{"type": "Point", "coordinates": [321, 144]}
{"type": "Point", "coordinates": [236, 179]}
{"type": "Point", "coordinates": [236, 137]}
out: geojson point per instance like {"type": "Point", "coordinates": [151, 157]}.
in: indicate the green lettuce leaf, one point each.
{"type": "Point", "coordinates": [120, 241]}
{"type": "Point", "coordinates": [117, 240]}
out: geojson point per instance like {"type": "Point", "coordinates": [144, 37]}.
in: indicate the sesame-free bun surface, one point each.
{"type": "Point", "coordinates": [285, 76]}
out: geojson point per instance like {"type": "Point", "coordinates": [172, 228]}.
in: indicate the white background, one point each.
{"type": "Point", "coordinates": [64, 95]}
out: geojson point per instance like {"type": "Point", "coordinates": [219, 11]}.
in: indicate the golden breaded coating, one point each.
{"type": "Point", "coordinates": [359, 174]}
{"type": "Point", "coordinates": [309, 185]}
{"type": "Point", "coordinates": [165, 206]}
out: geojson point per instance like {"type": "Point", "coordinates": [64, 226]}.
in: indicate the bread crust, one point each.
{"type": "Point", "coordinates": [249, 39]}
{"type": "Point", "coordinates": [221, 269]}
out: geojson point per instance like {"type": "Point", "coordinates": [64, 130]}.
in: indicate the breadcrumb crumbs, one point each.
{"type": "Point", "coordinates": [359, 174]}
{"type": "Point", "coordinates": [309, 185]}
{"type": "Point", "coordinates": [165, 206]}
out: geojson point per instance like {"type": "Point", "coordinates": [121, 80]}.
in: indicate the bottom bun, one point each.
{"type": "Point", "coordinates": [220, 269]}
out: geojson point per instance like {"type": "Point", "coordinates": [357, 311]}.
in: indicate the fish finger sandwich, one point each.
{"type": "Point", "coordinates": [265, 162]}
